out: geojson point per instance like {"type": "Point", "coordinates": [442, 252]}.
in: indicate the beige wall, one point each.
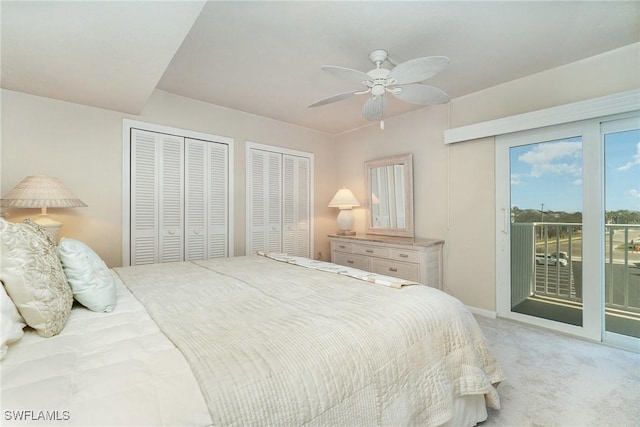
{"type": "Point", "coordinates": [612, 72]}
{"type": "Point", "coordinates": [83, 147]}
{"type": "Point", "coordinates": [454, 185]}
{"type": "Point", "coordinates": [453, 194]}
{"type": "Point", "coordinates": [420, 133]}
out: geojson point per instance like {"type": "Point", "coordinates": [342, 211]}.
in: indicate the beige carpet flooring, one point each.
{"type": "Point", "coordinates": [556, 380]}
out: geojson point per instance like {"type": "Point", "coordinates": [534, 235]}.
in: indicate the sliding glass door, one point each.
{"type": "Point", "coordinates": [621, 139]}
{"type": "Point", "coordinates": [568, 219]}
{"type": "Point", "coordinates": [546, 229]}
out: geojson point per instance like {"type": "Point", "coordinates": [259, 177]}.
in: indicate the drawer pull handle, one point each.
{"type": "Point", "coordinates": [342, 247]}
{"type": "Point", "coordinates": [349, 261]}
{"type": "Point", "coordinates": [369, 251]}
{"type": "Point", "coordinates": [404, 256]}
{"type": "Point", "coordinates": [393, 269]}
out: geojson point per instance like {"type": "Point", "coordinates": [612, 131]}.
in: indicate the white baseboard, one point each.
{"type": "Point", "coordinates": [482, 312]}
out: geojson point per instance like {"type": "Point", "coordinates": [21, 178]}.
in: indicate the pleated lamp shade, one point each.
{"type": "Point", "coordinates": [42, 192]}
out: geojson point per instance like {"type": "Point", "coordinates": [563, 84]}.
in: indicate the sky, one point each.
{"type": "Point", "coordinates": [550, 174]}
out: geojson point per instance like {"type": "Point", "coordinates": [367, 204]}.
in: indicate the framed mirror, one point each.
{"type": "Point", "coordinates": [389, 188]}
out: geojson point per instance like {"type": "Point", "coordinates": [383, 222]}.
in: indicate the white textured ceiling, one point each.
{"type": "Point", "coordinates": [265, 57]}
{"type": "Point", "coordinates": [105, 54]}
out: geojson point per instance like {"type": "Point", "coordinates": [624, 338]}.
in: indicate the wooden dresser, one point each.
{"type": "Point", "coordinates": [419, 260]}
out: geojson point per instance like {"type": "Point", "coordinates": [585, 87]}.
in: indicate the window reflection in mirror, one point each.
{"type": "Point", "coordinates": [390, 196]}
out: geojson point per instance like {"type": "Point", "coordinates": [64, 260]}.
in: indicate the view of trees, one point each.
{"type": "Point", "coordinates": [537, 215]}
{"type": "Point", "coordinates": [622, 217]}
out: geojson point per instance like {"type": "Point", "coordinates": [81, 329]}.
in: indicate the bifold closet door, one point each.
{"type": "Point", "coordinates": [278, 202]}
{"type": "Point", "coordinates": [206, 199]}
{"type": "Point", "coordinates": [296, 206]}
{"type": "Point", "coordinates": [264, 201]}
{"type": "Point", "coordinates": [157, 199]}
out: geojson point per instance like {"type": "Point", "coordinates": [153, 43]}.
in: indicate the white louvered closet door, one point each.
{"type": "Point", "coordinates": [144, 197]}
{"type": "Point", "coordinates": [157, 222]}
{"type": "Point", "coordinates": [218, 220]}
{"type": "Point", "coordinates": [265, 201]}
{"type": "Point", "coordinates": [296, 206]}
{"type": "Point", "coordinates": [279, 201]}
{"type": "Point", "coordinates": [206, 199]}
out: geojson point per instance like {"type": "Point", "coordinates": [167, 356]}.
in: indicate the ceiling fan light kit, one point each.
{"type": "Point", "coordinates": [401, 81]}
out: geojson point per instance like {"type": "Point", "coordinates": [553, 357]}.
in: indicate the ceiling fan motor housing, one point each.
{"type": "Point", "coordinates": [379, 80]}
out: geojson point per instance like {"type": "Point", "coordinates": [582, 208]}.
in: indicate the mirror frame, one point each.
{"type": "Point", "coordinates": [407, 161]}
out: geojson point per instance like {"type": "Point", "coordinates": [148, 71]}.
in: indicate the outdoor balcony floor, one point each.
{"type": "Point", "coordinates": [617, 321]}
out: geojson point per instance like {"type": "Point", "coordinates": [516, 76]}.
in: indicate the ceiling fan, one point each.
{"type": "Point", "coordinates": [401, 81]}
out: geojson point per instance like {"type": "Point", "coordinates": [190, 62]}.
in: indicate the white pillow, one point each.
{"type": "Point", "coordinates": [32, 276]}
{"type": "Point", "coordinates": [88, 275]}
{"type": "Point", "coordinates": [11, 323]}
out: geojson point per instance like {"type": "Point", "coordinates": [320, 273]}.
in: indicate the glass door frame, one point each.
{"type": "Point", "coordinates": [593, 243]}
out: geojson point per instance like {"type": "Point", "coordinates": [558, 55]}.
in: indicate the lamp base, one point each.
{"type": "Point", "coordinates": [345, 222]}
{"type": "Point", "coordinates": [51, 226]}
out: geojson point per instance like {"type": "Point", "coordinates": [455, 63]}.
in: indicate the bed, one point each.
{"type": "Point", "coordinates": [256, 340]}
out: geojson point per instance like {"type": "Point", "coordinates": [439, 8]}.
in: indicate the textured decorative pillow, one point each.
{"type": "Point", "coordinates": [32, 275]}
{"type": "Point", "coordinates": [11, 323]}
{"type": "Point", "coordinates": [89, 277]}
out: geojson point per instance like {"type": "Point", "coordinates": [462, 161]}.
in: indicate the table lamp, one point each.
{"type": "Point", "coordinates": [42, 192]}
{"type": "Point", "coordinates": [345, 201]}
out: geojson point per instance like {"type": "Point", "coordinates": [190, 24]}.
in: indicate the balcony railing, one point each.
{"type": "Point", "coordinates": [546, 260]}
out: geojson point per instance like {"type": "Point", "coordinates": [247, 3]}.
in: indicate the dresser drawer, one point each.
{"type": "Point", "coordinates": [404, 255]}
{"type": "Point", "coordinates": [351, 260]}
{"type": "Point", "coordinates": [378, 251]}
{"type": "Point", "coordinates": [417, 260]}
{"type": "Point", "coordinates": [401, 270]}
{"type": "Point", "coordinates": [342, 246]}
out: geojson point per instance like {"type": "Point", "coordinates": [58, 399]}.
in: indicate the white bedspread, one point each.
{"type": "Point", "coordinates": [276, 344]}
{"type": "Point", "coordinates": [103, 369]}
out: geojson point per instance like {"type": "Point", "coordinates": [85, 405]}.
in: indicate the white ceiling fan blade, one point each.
{"type": "Point", "coordinates": [335, 98]}
{"type": "Point", "coordinates": [419, 69]}
{"type": "Point", "coordinates": [374, 108]}
{"type": "Point", "coordinates": [348, 74]}
{"type": "Point", "coordinates": [421, 94]}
